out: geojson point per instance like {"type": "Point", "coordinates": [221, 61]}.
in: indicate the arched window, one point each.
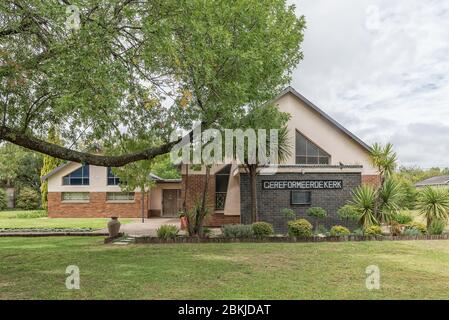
{"type": "Point", "coordinates": [308, 152]}
{"type": "Point", "coordinates": [79, 177]}
{"type": "Point", "coordinates": [221, 187]}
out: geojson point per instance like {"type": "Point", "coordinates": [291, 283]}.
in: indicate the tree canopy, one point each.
{"type": "Point", "coordinates": [137, 69]}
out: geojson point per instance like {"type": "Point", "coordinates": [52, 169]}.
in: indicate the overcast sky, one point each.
{"type": "Point", "coordinates": [381, 68]}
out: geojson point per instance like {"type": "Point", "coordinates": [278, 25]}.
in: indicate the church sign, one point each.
{"type": "Point", "coordinates": [301, 184]}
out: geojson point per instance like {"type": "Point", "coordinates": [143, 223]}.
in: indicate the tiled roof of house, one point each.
{"type": "Point", "coordinates": [434, 181]}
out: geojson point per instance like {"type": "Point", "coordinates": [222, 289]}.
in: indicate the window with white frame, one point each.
{"type": "Point", "coordinates": [79, 177]}
{"type": "Point", "coordinates": [308, 152]}
{"type": "Point", "coordinates": [75, 196]}
{"type": "Point", "coordinates": [120, 196]}
{"type": "Point", "coordinates": [113, 180]}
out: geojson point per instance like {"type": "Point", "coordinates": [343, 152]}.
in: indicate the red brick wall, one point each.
{"type": "Point", "coordinates": [97, 207]}
{"type": "Point", "coordinates": [219, 219]}
{"type": "Point", "coordinates": [373, 179]}
{"type": "Point", "coordinates": [193, 185]}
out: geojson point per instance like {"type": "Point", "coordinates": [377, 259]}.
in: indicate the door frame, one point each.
{"type": "Point", "coordinates": [178, 195]}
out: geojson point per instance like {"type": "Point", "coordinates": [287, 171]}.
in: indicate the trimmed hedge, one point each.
{"type": "Point", "coordinates": [337, 231]}
{"type": "Point", "coordinates": [261, 229]}
{"type": "Point", "coordinates": [299, 228]}
{"type": "Point", "coordinates": [373, 231]}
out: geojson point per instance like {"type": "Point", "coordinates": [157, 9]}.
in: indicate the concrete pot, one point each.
{"type": "Point", "coordinates": [113, 227]}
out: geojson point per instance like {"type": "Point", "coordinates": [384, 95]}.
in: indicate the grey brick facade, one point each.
{"type": "Point", "coordinates": [270, 202]}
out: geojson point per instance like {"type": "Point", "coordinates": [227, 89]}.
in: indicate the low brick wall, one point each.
{"type": "Point", "coordinates": [288, 239]}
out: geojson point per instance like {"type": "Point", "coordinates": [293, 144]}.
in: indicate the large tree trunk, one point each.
{"type": "Point", "coordinates": [203, 203]}
{"type": "Point", "coordinates": [253, 182]}
{"type": "Point", "coordinates": [184, 204]}
{"type": "Point", "coordinates": [142, 204]}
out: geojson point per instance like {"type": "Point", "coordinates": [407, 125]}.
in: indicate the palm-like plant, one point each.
{"type": "Point", "coordinates": [384, 159]}
{"type": "Point", "coordinates": [433, 204]}
{"type": "Point", "coordinates": [363, 201]}
{"type": "Point", "coordinates": [389, 195]}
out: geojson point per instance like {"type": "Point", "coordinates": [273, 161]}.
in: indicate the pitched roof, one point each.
{"type": "Point", "coordinates": [434, 181]}
{"type": "Point", "coordinates": [152, 176]}
{"type": "Point", "coordinates": [323, 115]}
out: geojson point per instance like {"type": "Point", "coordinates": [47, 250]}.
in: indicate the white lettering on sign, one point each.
{"type": "Point", "coordinates": [301, 184]}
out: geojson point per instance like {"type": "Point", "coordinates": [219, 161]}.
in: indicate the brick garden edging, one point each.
{"type": "Point", "coordinates": [155, 240]}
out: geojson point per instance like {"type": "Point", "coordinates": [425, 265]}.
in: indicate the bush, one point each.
{"type": "Point", "coordinates": [262, 229]}
{"type": "Point", "coordinates": [167, 231]}
{"type": "Point", "coordinates": [317, 212]}
{"type": "Point", "coordinates": [237, 231]}
{"type": "Point", "coordinates": [27, 199]}
{"type": "Point", "coordinates": [348, 212]}
{"type": "Point", "coordinates": [321, 230]}
{"type": "Point", "coordinates": [299, 228]}
{"type": "Point", "coordinates": [437, 227]}
{"type": "Point", "coordinates": [373, 231]}
{"type": "Point", "coordinates": [402, 218]}
{"type": "Point", "coordinates": [337, 231]}
{"type": "Point", "coordinates": [3, 199]}
{"type": "Point", "coordinates": [417, 226]}
{"type": "Point", "coordinates": [395, 228]}
{"type": "Point", "coordinates": [358, 232]}
{"type": "Point", "coordinates": [288, 213]}
{"type": "Point", "coordinates": [411, 232]}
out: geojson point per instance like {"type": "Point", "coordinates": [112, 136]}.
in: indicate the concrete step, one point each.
{"type": "Point", "coordinates": [124, 241]}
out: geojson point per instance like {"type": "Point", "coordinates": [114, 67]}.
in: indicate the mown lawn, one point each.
{"type": "Point", "coordinates": [37, 219]}
{"type": "Point", "coordinates": [34, 268]}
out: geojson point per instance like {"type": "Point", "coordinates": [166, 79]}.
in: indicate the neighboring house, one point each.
{"type": "Point", "coordinates": [76, 190]}
{"type": "Point", "coordinates": [327, 163]}
{"type": "Point", "coordinates": [437, 181]}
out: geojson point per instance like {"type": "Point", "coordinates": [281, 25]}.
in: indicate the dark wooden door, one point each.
{"type": "Point", "coordinates": [170, 202]}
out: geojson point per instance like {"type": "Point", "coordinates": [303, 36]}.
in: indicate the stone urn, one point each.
{"type": "Point", "coordinates": [113, 227]}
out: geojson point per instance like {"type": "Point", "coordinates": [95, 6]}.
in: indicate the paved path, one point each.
{"type": "Point", "coordinates": [147, 228]}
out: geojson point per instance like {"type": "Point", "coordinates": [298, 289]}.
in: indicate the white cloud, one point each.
{"type": "Point", "coordinates": [381, 68]}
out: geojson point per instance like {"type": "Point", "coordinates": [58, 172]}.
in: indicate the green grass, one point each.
{"type": "Point", "coordinates": [34, 268]}
{"type": "Point", "coordinates": [14, 214]}
{"type": "Point", "coordinates": [27, 220]}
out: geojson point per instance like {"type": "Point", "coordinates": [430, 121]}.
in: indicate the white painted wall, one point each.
{"type": "Point", "coordinates": [331, 139]}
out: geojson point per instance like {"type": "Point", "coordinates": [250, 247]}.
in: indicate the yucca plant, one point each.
{"type": "Point", "coordinates": [363, 202]}
{"type": "Point", "coordinates": [389, 195]}
{"type": "Point", "coordinates": [433, 204]}
{"type": "Point", "coordinates": [384, 159]}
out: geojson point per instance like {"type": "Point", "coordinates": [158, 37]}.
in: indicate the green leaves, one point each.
{"type": "Point", "coordinates": [95, 83]}
{"type": "Point", "coordinates": [364, 198]}
{"type": "Point", "coordinates": [433, 204]}
{"type": "Point", "coordinates": [384, 158]}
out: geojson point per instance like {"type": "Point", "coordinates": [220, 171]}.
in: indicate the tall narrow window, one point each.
{"type": "Point", "coordinates": [113, 180]}
{"type": "Point", "coordinates": [79, 177]}
{"type": "Point", "coordinates": [308, 152]}
{"type": "Point", "coordinates": [221, 187]}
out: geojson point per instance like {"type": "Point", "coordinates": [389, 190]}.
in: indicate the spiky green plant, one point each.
{"type": "Point", "coordinates": [390, 195]}
{"type": "Point", "coordinates": [384, 159]}
{"type": "Point", "coordinates": [363, 201]}
{"type": "Point", "coordinates": [433, 204]}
